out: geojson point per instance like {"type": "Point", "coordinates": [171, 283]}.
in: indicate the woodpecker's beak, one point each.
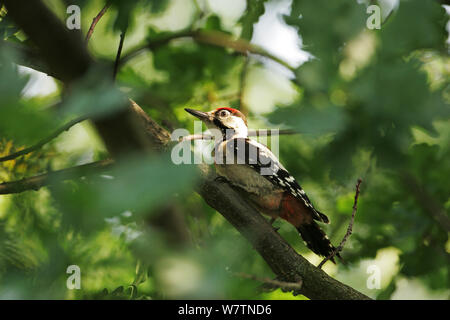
{"type": "Point", "coordinates": [199, 114]}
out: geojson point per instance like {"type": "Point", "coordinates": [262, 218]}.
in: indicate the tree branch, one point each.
{"type": "Point", "coordinates": [58, 47]}
{"type": "Point", "coordinates": [349, 229]}
{"type": "Point", "coordinates": [284, 261]}
{"type": "Point", "coordinates": [215, 38]}
{"type": "Point", "coordinates": [27, 56]}
{"type": "Point", "coordinates": [95, 21]}
{"type": "Point", "coordinates": [37, 182]}
{"type": "Point", "coordinates": [119, 52]}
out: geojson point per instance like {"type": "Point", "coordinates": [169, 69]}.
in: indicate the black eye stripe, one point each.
{"type": "Point", "coordinates": [219, 124]}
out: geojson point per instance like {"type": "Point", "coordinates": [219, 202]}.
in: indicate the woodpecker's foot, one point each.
{"type": "Point", "coordinates": [221, 179]}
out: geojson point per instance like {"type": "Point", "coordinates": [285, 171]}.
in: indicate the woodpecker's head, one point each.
{"type": "Point", "coordinates": [229, 121]}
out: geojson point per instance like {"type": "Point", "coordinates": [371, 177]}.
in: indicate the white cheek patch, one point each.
{"type": "Point", "coordinates": [239, 126]}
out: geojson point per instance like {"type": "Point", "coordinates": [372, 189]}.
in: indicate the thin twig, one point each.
{"type": "Point", "coordinates": [200, 136]}
{"type": "Point", "coordinates": [37, 182]}
{"type": "Point", "coordinates": [119, 52]}
{"type": "Point", "coordinates": [95, 21]}
{"type": "Point", "coordinates": [349, 229]}
{"type": "Point", "coordinates": [271, 132]}
{"type": "Point", "coordinates": [272, 283]}
{"type": "Point", "coordinates": [44, 141]}
{"type": "Point", "coordinates": [251, 133]}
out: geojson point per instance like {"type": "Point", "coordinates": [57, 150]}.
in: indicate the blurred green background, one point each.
{"type": "Point", "coordinates": [367, 103]}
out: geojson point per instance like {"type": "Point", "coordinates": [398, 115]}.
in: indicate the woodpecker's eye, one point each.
{"type": "Point", "coordinates": [224, 113]}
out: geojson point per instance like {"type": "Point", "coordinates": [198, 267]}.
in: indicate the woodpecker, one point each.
{"type": "Point", "coordinates": [267, 184]}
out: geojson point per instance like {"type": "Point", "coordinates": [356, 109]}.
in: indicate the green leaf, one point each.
{"type": "Point", "coordinates": [134, 184]}
{"type": "Point", "coordinates": [7, 27]}
{"type": "Point", "coordinates": [418, 24]}
{"type": "Point", "coordinates": [125, 10]}
{"type": "Point", "coordinates": [158, 6]}
{"type": "Point", "coordinates": [20, 119]}
{"type": "Point", "coordinates": [327, 119]}
{"type": "Point", "coordinates": [255, 9]}
{"type": "Point", "coordinates": [94, 95]}
{"type": "Point", "coordinates": [388, 291]}
{"type": "Point", "coordinates": [213, 23]}
{"type": "Point", "coordinates": [326, 25]}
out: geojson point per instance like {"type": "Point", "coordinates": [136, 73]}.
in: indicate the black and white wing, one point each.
{"type": "Point", "coordinates": [262, 160]}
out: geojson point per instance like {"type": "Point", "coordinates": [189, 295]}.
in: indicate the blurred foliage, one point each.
{"type": "Point", "coordinates": [368, 103]}
{"type": "Point", "coordinates": [254, 10]}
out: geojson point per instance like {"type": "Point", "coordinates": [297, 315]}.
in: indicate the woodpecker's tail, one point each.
{"type": "Point", "coordinates": [316, 239]}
